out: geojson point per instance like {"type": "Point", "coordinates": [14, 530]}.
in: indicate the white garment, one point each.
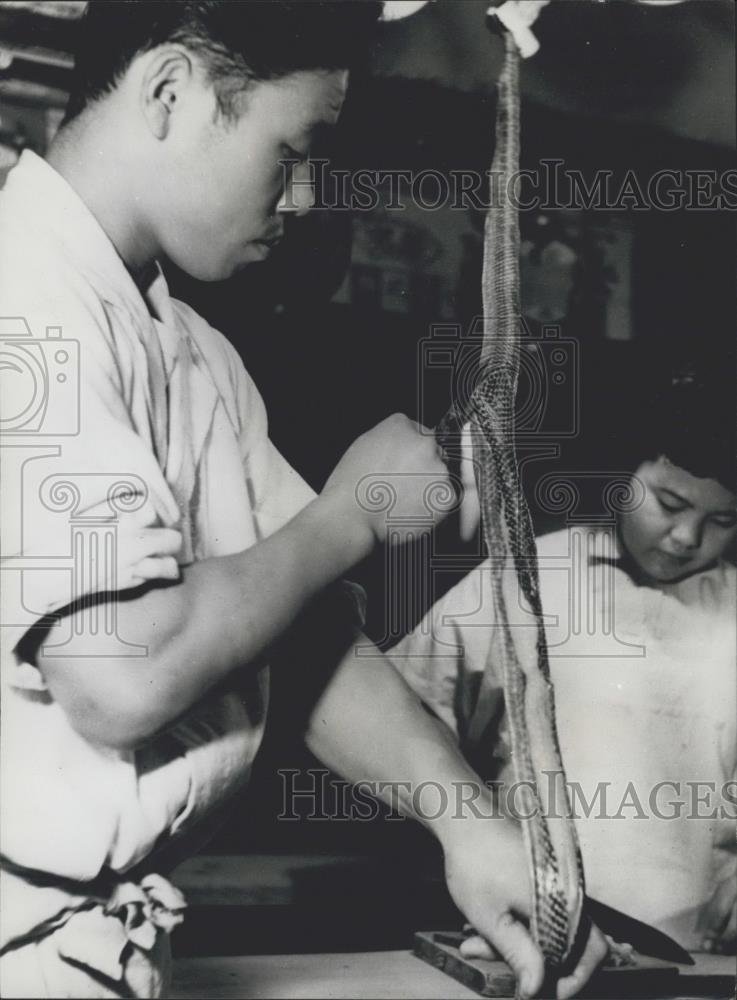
{"type": "Point", "coordinates": [644, 682]}
{"type": "Point", "coordinates": [152, 396]}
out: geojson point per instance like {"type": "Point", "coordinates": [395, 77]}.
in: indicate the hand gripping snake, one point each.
{"type": "Point", "coordinates": [557, 922]}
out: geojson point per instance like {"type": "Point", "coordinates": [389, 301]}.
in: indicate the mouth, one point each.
{"type": "Point", "coordinates": [672, 560]}
{"type": "Point", "coordinates": [261, 249]}
{"type": "Point", "coordinates": [272, 240]}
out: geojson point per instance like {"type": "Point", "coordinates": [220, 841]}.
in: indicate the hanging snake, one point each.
{"type": "Point", "coordinates": [557, 919]}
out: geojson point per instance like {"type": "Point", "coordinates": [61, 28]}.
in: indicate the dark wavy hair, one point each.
{"type": "Point", "coordinates": [690, 417]}
{"type": "Point", "coordinates": [238, 42]}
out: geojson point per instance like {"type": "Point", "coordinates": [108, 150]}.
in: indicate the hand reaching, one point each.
{"type": "Point", "coordinates": [487, 875]}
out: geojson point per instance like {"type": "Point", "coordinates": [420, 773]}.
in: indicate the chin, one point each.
{"type": "Point", "coordinates": [204, 268]}
{"type": "Point", "coordinates": [659, 571]}
{"type": "Point", "coordinates": [212, 274]}
{"type": "Point", "coordinates": [222, 270]}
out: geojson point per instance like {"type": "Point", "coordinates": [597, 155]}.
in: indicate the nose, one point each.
{"type": "Point", "coordinates": [299, 194]}
{"type": "Point", "coordinates": [686, 534]}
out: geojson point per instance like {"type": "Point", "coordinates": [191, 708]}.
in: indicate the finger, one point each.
{"type": "Point", "coordinates": [467, 441]}
{"type": "Point", "coordinates": [468, 469]}
{"type": "Point", "coordinates": [144, 516]}
{"type": "Point", "coordinates": [512, 941]}
{"type": "Point", "coordinates": [470, 514]}
{"type": "Point", "coordinates": [477, 947]}
{"type": "Point", "coordinates": [160, 541]}
{"type": "Point", "coordinates": [595, 952]}
{"type": "Point", "coordinates": [153, 568]}
{"type": "Point", "coordinates": [154, 543]}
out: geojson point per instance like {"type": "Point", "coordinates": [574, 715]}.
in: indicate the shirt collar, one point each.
{"type": "Point", "coordinates": [158, 300]}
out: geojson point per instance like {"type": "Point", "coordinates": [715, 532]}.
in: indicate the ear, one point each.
{"type": "Point", "coordinates": [167, 75]}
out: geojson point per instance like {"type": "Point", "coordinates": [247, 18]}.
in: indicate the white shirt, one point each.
{"type": "Point", "coordinates": [107, 389]}
{"type": "Point", "coordinates": [644, 682]}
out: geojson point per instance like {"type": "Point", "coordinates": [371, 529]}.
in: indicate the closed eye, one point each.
{"type": "Point", "coordinates": [726, 521]}
{"type": "Point", "coordinates": [290, 153]}
{"type": "Point", "coordinates": [670, 506]}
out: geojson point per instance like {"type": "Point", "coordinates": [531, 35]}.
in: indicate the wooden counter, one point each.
{"type": "Point", "coordinates": [385, 975]}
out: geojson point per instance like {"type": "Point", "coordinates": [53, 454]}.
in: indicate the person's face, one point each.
{"type": "Point", "coordinates": [683, 524]}
{"type": "Point", "coordinates": [226, 191]}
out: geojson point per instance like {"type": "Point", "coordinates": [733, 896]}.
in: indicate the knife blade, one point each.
{"type": "Point", "coordinates": [644, 938]}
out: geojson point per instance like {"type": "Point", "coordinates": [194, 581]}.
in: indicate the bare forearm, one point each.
{"type": "Point", "coordinates": [226, 612]}
{"type": "Point", "coordinates": [223, 615]}
{"type": "Point", "coordinates": [369, 726]}
{"type": "Point", "coordinates": [232, 609]}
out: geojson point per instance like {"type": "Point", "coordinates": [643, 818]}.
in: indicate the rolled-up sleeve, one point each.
{"type": "Point", "coordinates": [277, 491]}
{"type": "Point", "coordinates": [82, 478]}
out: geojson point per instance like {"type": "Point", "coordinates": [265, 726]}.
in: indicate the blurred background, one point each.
{"type": "Point", "coordinates": [371, 309]}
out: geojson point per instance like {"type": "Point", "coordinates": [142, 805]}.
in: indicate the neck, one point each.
{"type": "Point", "coordinates": [95, 162]}
{"type": "Point", "coordinates": [628, 565]}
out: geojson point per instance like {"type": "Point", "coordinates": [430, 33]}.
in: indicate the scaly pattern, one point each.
{"type": "Point", "coordinates": [550, 834]}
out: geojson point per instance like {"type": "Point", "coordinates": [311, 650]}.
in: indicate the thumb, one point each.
{"type": "Point", "coordinates": [594, 954]}
{"type": "Point", "coordinates": [470, 513]}
{"type": "Point", "coordinates": [515, 945]}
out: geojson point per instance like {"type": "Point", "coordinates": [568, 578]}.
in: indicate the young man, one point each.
{"type": "Point", "coordinates": [134, 677]}
{"type": "Point", "coordinates": [640, 623]}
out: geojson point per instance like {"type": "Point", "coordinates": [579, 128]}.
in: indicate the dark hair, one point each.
{"type": "Point", "coordinates": [237, 41]}
{"type": "Point", "coordinates": [691, 419]}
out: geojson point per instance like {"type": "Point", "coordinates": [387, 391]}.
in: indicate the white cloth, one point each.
{"type": "Point", "coordinates": [114, 946]}
{"type": "Point", "coordinates": [644, 682]}
{"type": "Point", "coordinates": [150, 395]}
